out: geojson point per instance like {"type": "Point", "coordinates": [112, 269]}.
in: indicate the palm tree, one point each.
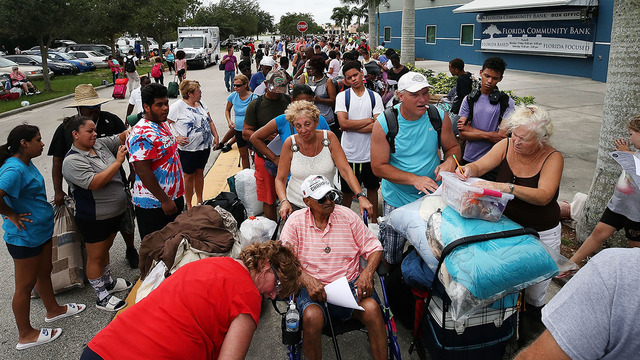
{"type": "Point", "coordinates": [338, 15]}
{"type": "Point", "coordinates": [372, 7]}
{"type": "Point", "coordinates": [408, 43]}
{"type": "Point", "coordinates": [359, 12]}
{"type": "Point", "coordinates": [621, 103]}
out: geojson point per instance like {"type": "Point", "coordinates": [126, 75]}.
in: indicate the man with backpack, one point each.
{"type": "Point", "coordinates": [481, 113]}
{"type": "Point", "coordinates": [259, 112]}
{"type": "Point", "coordinates": [407, 139]}
{"type": "Point", "coordinates": [130, 67]}
{"type": "Point", "coordinates": [357, 109]}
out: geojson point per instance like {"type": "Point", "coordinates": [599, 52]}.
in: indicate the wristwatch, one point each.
{"type": "Point", "coordinates": [511, 187]}
{"type": "Point", "coordinates": [360, 194]}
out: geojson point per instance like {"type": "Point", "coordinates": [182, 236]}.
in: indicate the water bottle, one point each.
{"type": "Point", "coordinates": [292, 318]}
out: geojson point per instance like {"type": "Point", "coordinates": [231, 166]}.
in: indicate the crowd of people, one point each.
{"type": "Point", "coordinates": [351, 123]}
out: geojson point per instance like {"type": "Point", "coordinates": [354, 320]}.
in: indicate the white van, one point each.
{"type": "Point", "coordinates": [201, 45]}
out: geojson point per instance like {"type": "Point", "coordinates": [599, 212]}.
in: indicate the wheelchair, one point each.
{"type": "Point", "coordinates": [294, 345]}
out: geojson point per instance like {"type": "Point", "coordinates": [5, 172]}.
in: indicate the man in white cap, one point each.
{"type": "Point", "coordinates": [409, 163]}
{"type": "Point", "coordinates": [259, 112]}
{"type": "Point", "coordinates": [88, 103]}
{"type": "Point", "coordinates": [329, 240]}
{"type": "Point", "coordinates": [266, 65]}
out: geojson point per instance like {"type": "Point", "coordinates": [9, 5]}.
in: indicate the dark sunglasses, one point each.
{"type": "Point", "coordinates": [278, 286]}
{"type": "Point", "coordinates": [334, 196]}
{"type": "Point", "coordinates": [238, 85]}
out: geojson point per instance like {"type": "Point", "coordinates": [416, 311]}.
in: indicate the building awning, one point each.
{"type": "Point", "coordinates": [478, 6]}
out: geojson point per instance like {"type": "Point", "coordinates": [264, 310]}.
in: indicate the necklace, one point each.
{"type": "Point", "coordinates": [315, 147]}
{"type": "Point", "coordinates": [327, 248]}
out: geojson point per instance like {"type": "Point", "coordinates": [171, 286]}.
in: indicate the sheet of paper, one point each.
{"type": "Point", "coordinates": [275, 145]}
{"type": "Point", "coordinates": [339, 293]}
{"type": "Point", "coordinates": [629, 163]}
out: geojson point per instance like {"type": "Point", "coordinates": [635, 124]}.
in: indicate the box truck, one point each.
{"type": "Point", "coordinates": [201, 45]}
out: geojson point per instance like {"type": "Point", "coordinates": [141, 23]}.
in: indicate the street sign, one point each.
{"type": "Point", "coordinates": [302, 26]}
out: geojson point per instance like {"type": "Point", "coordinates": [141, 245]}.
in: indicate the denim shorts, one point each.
{"type": "Point", "coordinates": [337, 312]}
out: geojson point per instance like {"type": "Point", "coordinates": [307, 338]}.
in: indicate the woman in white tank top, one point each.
{"type": "Point", "coordinates": [310, 152]}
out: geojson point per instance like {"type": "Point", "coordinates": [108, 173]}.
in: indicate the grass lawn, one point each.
{"type": "Point", "coordinates": [66, 84]}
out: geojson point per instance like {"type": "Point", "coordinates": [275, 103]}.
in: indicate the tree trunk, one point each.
{"type": "Point", "coordinates": [373, 26]}
{"type": "Point", "coordinates": [44, 50]}
{"type": "Point", "coordinates": [621, 103]}
{"type": "Point", "coordinates": [408, 42]}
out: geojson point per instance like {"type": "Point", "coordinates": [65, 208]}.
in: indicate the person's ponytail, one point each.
{"type": "Point", "coordinates": [21, 132]}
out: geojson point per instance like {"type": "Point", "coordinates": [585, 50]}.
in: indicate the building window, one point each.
{"type": "Point", "coordinates": [466, 34]}
{"type": "Point", "coordinates": [387, 33]}
{"type": "Point", "coordinates": [431, 34]}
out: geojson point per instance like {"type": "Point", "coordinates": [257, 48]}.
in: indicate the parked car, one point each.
{"type": "Point", "coordinates": [32, 72]}
{"type": "Point", "coordinates": [81, 64]}
{"type": "Point", "coordinates": [58, 67]}
{"type": "Point", "coordinates": [169, 44]}
{"type": "Point", "coordinates": [32, 51]}
{"type": "Point", "coordinates": [99, 60]}
{"type": "Point", "coordinates": [103, 49]}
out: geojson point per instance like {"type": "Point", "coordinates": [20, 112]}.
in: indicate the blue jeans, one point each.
{"type": "Point", "coordinates": [229, 75]}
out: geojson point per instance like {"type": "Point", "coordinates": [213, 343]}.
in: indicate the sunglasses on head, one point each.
{"type": "Point", "coordinates": [334, 196]}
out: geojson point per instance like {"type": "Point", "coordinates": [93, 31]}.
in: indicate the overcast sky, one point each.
{"type": "Point", "coordinates": [321, 10]}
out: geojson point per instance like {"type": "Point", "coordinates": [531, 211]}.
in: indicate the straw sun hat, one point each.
{"type": "Point", "coordinates": [86, 95]}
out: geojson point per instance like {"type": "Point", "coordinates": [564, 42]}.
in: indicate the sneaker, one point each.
{"type": "Point", "coordinates": [111, 303]}
{"type": "Point", "coordinates": [226, 148]}
{"type": "Point", "coordinates": [38, 92]}
{"type": "Point", "coordinates": [119, 285]}
{"type": "Point", "coordinates": [132, 257]}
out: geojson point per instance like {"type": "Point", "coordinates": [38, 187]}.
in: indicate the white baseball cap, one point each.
{"type": "Point", "coordinates": [267, 61]}
{"type": "Point", "coordinates": [413, 82]}
{"type": "Point", "coordinates": [316, 186]}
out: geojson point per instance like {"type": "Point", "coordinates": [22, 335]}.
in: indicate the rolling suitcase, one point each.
{"type": "Point", "coordinates": [172, 89]}
{"type": "Point", "coordinates": [119, 91]}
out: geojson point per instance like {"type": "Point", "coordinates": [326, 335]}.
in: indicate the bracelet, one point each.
{"type": "Point", "coordinates": [283, 200]}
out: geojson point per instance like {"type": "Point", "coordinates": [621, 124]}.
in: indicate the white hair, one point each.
{"type": "Point", "coordinates": [532, 118]}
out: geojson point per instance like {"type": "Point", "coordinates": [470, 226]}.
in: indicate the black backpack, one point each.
{"type": "Point", "coordinates": [391, 115]}
{"type": "Point", "coordinates": [129, 64]}
{"type": "Point", "coordinates": [495, 97]}
{"type": "Point", "coordinates": [230, 202]}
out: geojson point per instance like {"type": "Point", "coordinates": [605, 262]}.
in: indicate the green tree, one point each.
{"type": "Point", "coordinates": [44, 20]}
{"type": "Point", "coordinates": [237, 17]}
{"type": "Point", "coordinates": [265, 23]}
{"type": "Point", "coordinates": [148, 21]}
{"type": "Point", "coordinates": [342, 15]}
{"type": "Point", "coordinates": [289, 24]}
{"type": "Point", "coordinates": [621, 103]}
{"type": "Point", "coordinates": [372, 11]}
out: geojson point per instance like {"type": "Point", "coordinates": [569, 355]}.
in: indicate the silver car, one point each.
{"type": "Point", "coordinates": [31, 72]}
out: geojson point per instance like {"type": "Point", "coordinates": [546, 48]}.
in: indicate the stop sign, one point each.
{"type": "Point", "coordinates": [302, 26]}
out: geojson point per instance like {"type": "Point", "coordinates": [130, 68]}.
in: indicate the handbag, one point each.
{"type": "Point", "coordinates": [221, 66]}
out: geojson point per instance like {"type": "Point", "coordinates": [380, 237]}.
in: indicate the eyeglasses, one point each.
{"type": "Point", "coordinates": [331, 195]}
{"type": "Point", "coordinates": [278, 286]}
{"type": "Point", "coordinates": [238, 85]}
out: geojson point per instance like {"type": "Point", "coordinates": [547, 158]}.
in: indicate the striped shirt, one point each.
{"type": "Point", "coordinates": [346, 235]}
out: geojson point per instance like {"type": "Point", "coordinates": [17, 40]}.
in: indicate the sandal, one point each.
{"type": "Point", "coordinates": [120, 285]}
{"type": "Point", "coordinates": [72, 309]}
{"type": "Point", "coordinates": [45, 336]}
{"type": "Point", "coordinates": [113, 304]}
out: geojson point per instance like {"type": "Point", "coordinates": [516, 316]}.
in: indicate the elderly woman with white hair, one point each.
{"type": "Point", "coordinates": [530, 169]}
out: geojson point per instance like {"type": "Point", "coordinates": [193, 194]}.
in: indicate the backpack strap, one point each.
{"type": "Point", "coordinates": [391, 116]}
{"type": "Point", "coordinates": [347, 100]}
{"type": "Point", "coordinates": [436, 120]}
{"type": "Point", "coordinates": [504, 105]}
{"type": "Point", "coordinates": [256, 109]}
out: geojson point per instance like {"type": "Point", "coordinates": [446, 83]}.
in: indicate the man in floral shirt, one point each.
{"type": "Point", "coordinates": [153, 151]}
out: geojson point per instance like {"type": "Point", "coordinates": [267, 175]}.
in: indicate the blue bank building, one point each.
{"type": "Point", "coordinates": [568, 37]}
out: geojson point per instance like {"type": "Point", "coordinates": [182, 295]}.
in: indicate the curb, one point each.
{"type": "Point", "coordinates": [43, 103]}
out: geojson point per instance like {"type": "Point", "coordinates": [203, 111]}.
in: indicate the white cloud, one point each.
{"type": "Point", "coordinates": [321, 10]}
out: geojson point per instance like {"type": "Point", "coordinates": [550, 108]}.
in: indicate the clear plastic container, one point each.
{"type": "Point", "coordinates": [473, 202]}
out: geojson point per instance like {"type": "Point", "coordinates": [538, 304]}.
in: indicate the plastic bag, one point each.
{"type": "Point", "coordinates": [67, 257]}
{"type": "Point", "coordinates": [256, 230]}
{"type": "Point", "coordinates": [246, 190]}
{"type": "Point", "coordinates": [152, 281]}
{"type": "Point", "coordinates": [475, 275]}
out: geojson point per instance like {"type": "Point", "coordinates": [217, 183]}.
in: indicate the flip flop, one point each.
{"type": "Point", "coordinates": [72, 309]}
{"type": "Point", "coordinates": [121, 285]}
{"type": "Point", "coordinates": [44, 337]}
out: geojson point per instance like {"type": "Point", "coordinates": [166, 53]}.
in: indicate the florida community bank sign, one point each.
{"type": "Point", "coordinates": [565, 33]}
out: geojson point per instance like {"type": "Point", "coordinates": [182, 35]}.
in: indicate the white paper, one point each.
{"type": "Point", "coordinates": [275, 145]}
{"type": "Point", "coordinates": [629, 163]}
{"type": "Point", "coordinates": [339, 293]}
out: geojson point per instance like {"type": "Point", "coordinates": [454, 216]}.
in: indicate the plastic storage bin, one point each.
{"type": "Point", "coordinates": [473, 202]}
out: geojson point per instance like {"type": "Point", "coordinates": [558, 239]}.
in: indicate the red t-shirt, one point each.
{"type": "Point", "coordinates": [186, 317]}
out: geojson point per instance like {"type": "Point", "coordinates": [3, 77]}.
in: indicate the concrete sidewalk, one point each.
{"type": "Point", "coordinates": [575, 105]}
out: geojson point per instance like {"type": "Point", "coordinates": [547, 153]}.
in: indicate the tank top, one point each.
{"type": "Point", "coordinates": [320, 89]}
{"type": "Point", "coordinates": [303, 166]}
{"type": "Point", "coordinates": [537, 217]}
